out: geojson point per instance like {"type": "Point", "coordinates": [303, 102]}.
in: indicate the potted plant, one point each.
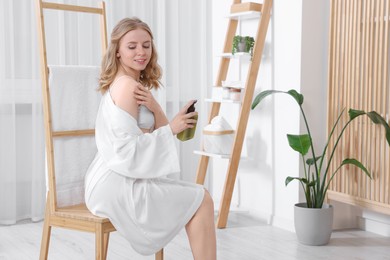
{"type": "Point", "coordinates": [243, 44]}
{"type": "Point", "coordinates": [313, 219]}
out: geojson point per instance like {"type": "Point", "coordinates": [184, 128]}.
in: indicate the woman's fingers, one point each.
{"type": "Point", "coordinates": [141, 90]}
{"type": "Point", "coordinates": [189, 119]}
{"type": "Point", "coordinates": [145, 97]}
{"type": "Point", "coordinates": [191, 114]}
{"type": "Point", "coordinates": [191, 124]}
{"type": "Point", "coordinates": [142, 94]}
{"type": "Point", "coordinates": [185, 108]}
{"type": "Point", "coordinates": [182, 122]}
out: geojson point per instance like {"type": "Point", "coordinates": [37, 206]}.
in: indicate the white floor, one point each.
{"type": "Point", "coordinates": [245, 239]}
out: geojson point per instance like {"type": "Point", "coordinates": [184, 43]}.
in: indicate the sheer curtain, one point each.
{"type": "Point", "coordinates": [22, 183]}
{"type": "Point", "coordinates": [182, 38]}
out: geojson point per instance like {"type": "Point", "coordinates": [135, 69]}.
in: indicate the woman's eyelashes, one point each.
{"type": "Point", "coordinates": [145, 46]}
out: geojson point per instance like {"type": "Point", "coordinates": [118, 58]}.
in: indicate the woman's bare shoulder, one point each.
{"type": "Point", "coordinates": [122, 85]}
{"type": "Point", "coordinates": [122, 93]}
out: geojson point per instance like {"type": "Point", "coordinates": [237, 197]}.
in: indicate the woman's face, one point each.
{"type": "Point", "coordinates": [135, 50]}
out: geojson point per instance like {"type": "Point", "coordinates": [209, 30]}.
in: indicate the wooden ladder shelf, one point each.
{"type": "Point", "coordinates": [250, 83]}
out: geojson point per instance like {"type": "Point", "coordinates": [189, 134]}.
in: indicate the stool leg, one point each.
{"type": "Point", "coordinates": [99, 242]}
{"type": "Point", "coordinates": [160, 254]}
{"type": "Point", "coordinates": [106, 238]}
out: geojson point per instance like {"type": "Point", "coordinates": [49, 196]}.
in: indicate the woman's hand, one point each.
{"type": "Point", "coordinates": [183, 121]}
{"type": "Point", "coordinates": [145, 97]}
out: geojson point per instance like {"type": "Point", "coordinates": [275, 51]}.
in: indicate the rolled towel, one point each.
{"type": "Point", "coordinates": [218, 136]}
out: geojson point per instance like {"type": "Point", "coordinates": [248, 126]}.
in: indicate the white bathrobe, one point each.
{"type": "Point", "coordinates": [126, 181]}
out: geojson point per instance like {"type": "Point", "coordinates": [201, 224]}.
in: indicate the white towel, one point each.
{"type": "Point", "coordinates": [74, 96]}
{"type": "Point", "coordinates": [74, 105]}
{"type": "Point", "coordinates": [219, 144]}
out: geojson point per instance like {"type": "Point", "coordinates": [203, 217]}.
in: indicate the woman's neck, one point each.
{"type": "Point", "coordinates": [129, 72]}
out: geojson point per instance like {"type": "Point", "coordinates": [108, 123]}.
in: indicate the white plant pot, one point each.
{"type": "Point", "coordinates": [241, 46]}
{"type": "Point", "coordinates": [313, 226]}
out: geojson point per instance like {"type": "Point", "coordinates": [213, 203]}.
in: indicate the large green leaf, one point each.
{"type": "Point", "coordinates": [375, 118]}
{"type": "Point", "coordinates": [378, 119]}
{"type": "Point", "coordinates": [357, 164]}
{"type": "Point", "coordinates": [355, 113]}
{"type": "Point", "coordinates": [289, 179]}
{"type": "Point", "coordinates": [263, 95]}
{"type": "Point", "coordinates": [300, 143]}
{"type": "Point", "coordinates": [297, 96]}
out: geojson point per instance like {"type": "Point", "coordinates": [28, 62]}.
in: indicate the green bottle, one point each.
{"type": "Point", "coordinates": [190, 132]}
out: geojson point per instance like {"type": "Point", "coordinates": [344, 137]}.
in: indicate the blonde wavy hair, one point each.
{"type": "Point", "coordinates": [150, 76]}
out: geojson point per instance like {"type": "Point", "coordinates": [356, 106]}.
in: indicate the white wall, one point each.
{"type": "Point", "coordinates": [287, 17]}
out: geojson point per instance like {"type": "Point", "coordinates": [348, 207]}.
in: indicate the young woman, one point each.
{"type": "Point", "coordinates": [136, 149]}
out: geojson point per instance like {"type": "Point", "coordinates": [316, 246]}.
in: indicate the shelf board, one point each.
{"type": "Point", "coordinates": [247, 15]}
{"type": "Point", "coordinates": [214, 155]}
{"type": "Point", "coordinates": [211, 100]}
{"type": "Point", "coordinates": [237, 55]}
{"type": "Point", "coordinates": [244, 7]}
{"type": "Point", "coordinates": [242, 86]}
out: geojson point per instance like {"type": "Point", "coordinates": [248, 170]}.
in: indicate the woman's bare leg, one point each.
{"type": "Point", "coordinates": [201, 231]}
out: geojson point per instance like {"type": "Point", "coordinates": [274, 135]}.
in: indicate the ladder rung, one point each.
{"type": "Point", "coordinates": [73, 133]}
{"type": "Point", "coordinates": [74, 8]}
{"type": "Point", "coordinates": [245, 7]}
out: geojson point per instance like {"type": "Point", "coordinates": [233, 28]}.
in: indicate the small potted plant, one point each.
{"type": "Point", "coordinates": [313, 219]}
{"type": "Point", "coordinates": [243, 44]}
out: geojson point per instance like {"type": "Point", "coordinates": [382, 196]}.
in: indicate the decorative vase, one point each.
{"type": "Point", "coordinates": [313, 226]}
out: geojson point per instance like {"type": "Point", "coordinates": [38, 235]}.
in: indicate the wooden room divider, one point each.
{"type": "Point", "coordinates": [359, 79]}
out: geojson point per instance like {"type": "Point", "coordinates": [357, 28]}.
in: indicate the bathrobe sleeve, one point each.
{"type": "Point", "coordinates": [130, 152]}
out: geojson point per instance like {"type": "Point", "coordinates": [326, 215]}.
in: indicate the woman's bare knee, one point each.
{"type": "Point", "coordinates": [208, 201]}
{"type": "Point", "coordinates": [206, 208]}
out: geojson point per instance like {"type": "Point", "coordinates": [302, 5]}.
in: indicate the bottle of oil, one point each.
{"type": "Point", "coordinates": [190, 132]}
